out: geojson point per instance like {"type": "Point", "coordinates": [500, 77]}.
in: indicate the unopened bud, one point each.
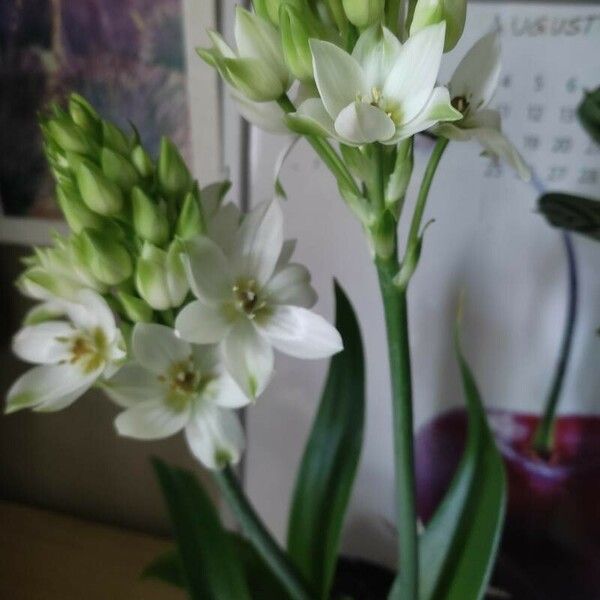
{"type": "Point", "coordinates": [99, 193]}
{"type": "Point", "coordinates": [149, 218]}
{"type": "Point", "coordinates": [40, 284]}
{"type": "Point", "coordinates": [295, 41]}
{"type": "Point", "coordinates": [191, 220]}
{"type": "Point", "coordinates": [118, 169]}
{"type": "Point", "coordinates": [77, 214]}
{"type": "Point", "coordinates": [431, 12]}
{"type": "Point", "coordinates": [69, 137]}
{"type": "Point", "coordinates": [173, 175]}
{"type": "Point", "coordinates": [84, 115]}
{"type": "Point", "coordinates": [114, 138]}
{"type": "Point", "coordinates": [364, 13]}
{"type": "Point", "coordinates": [142, 161]}
{"type": "Point", "coordinates": [135, 308]}
{"type": "Point", "coordinates": [107, 259]}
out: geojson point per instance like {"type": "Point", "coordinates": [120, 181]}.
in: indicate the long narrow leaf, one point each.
{"type": "Point", "coordinates": [208, 562]}
{"type": "Point", "coordinates": [330, 459]}
{"type": "Point", "coordinates": [459, 545]}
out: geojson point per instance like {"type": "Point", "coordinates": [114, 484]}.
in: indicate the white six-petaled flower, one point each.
{"type": "Point", "coordinates": [472, 87]}
{"type": "Point", "coordinates": [173, 386]}
{"type": "Point", "coordinates": [384, 91]}
{"type": "Point", "coordinates": [252, 300]}
{"type": "Point", "coordinates": [71, 355]}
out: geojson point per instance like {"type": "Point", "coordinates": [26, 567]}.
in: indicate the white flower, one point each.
{"type": "Point", "coordinates": [383, 92]}
{"type": "Point", "coordinates": [258, 69]}
{"type": "Point", "coordinates": [72, 355]}
{"type": "Point", "coordinates": [173, 386]}
{"type": "Point", "coordinates": [253, 300]}
{"type": "Point", "coordinates": [471, 88]}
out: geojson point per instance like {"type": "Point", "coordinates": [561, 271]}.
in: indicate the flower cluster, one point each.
{"type": "Point", "coordinates": [162, 295]}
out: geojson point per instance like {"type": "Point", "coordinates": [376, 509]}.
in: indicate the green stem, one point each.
{"type": "Point", "coordinates": [396, 319]}
{"type": "Point", "coordinates": [326, 152]}
{"type": "Point", "coordinates": [378, 192]}
{"type": "Point", "coordinates": [543, 440]}
{"type": "Point", "coordinates": [432, 165]}
{"type": "Point", "coordinates": [257, 533]}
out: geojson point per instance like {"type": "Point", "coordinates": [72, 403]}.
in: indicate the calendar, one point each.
{"type": "Point", "coordinates": [487, 243]}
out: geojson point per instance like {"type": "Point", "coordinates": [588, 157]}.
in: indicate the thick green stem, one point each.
{"type": "Point", "coordinates": [396, 319]}
{"type": "Point", "coordinates": [326, 152]}
{"type": "Point", "coordinates": [261, 539]}
{"type": "Point", "coordinates": [432, 165]}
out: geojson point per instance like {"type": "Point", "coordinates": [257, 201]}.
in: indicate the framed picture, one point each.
{"type": "Point", "coordinates": [129, 58]}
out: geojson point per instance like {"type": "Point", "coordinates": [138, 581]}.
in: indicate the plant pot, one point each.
{"type": "Point", "coordinates": [552, 530]}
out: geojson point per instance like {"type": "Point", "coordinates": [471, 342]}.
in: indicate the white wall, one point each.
{"type": "Point", "coordinates": [486, 241]}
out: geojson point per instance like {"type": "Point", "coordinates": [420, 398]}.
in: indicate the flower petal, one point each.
{"type": "Point", "coordinates": [476, 77]}
{"type": "Point", "coordinates": [259, 242]}
{"type": "Point", "coordinates": [215, 437]}
{"type": "Point", "coordinates": [201, 323]}
{"type": "Point", "coordinates": [49, 387]}
{"type": "Point", "coordinates": [361, 123]}
{"type": "Point", "coordinates": [268, 116]}
{"type": "Point", "coordinates": [311, 118]}
{"type": "Point", "coordinates": [438, 108]}
{"type": "Point", "coordinates": [413, 77]}
{"type": "Point", "coordinates": [223, 227]}
{"type": "Point", "coordinates": [291, 285]}
{"type": "Point", "coordinates": [377, 51]}
{"type": "Point", "coordinates": [299, 332]}
{"type": "Point", "coordinates": [157, 347]}
{"type": "Point", "coordinates": [42, 344]}
{"type": "Point", "coordinates": [287, 250]}
{"type": "Point", "coordinates": [225, 392]}
{"type": "Point", "coordinates": [151, 420]}
{"type": "Point", "coordinates": [208, 270]}
{"type": "Point", "coordinates": [90, 310]}
{"type": "Point", "coordinates": [133, 384]}
{"type": "Point", "coordinates": [248, 357]}
{"type": "Point", "coordinates": [496, 144]}
{"type": "Point", "coordinates": [338, 76]}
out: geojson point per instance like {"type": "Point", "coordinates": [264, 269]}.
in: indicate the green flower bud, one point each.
{"type": "Point", "coordinates": [40, 284]}
{"type": "Point", "coordinates": [118, 169]}
{"type": "Point", "coordinates": [431, 12]}
{"type": "Point", "coordinates": [191, 220]}
{"type": "Point", "coordinates": [364, 13]}
{"type": "Point", "coordinates": [108, 260]}
{"type": "Point", "coordinates": [114, 138]}
{"type": "Point", "coordinates": [77, 214]}
{"type": "Point", "coordinates": [294, 39]}
{"type": "Point", "coordinates": [65, 134]}
{"type": "Point", "coordinates": [135, 308]}
{"type": "Point", "coordinates": [149, 219]}
{"type": "Point", "coordinates": [84, 115]}
{"type": "Point", "coordinates": [142, 161]}
{"type": "Point", "coordinates": [160, 277]}
{"type": "Point", "coordinates": [398, 181]}
{"type": "Point", "coordinates": [173, 175]}
{"type": "Point", "coordinates": [99, 193]}
{"type": "Point", "coordinates": [253, 79]}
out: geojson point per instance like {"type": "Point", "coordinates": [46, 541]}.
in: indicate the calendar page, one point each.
{"type": "Point", "coordinates": [487, 243]}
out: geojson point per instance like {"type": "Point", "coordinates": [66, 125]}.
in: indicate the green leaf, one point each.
{"type": "Point", "coordinates": [209, 567]}
{"type": "Point", "coordinates": [459, 545]}
{"type": "Point", "coordinates": [330, 459]}
{"type": "Point", "coordinates": [575, 213]}
{"type": "Point", "coordinates": [261, 581]}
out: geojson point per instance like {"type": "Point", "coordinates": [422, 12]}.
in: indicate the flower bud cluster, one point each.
{"type": "Point", "coordinates": [128, 215]}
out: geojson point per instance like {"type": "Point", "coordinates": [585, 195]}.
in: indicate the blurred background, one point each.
{"type": "Point", "coordinates": [134, 59]}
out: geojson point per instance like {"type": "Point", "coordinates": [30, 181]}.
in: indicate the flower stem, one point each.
{"type": "Point", "coordinates": [432, 165]}
{"type": "Point", "coordinates": [396, 319]}
{"type": "Point", "coordinates": [326, 152]}
{"type": "Point", "coordinates": [543, 440]}
{"type": "Point", "coordinates": [261, 539]}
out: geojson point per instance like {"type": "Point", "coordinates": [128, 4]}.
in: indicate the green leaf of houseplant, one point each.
{"type": "Point", "coordinates": [575, 213]}
{"type": "Point", "coordinates": [208, 561]}
{"type": "Point", "coordinates": [262, 583]}
{"type": "Point", "coordinates": [330, 459]}
{"type": "Point", "coordinates": [459, 545]}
